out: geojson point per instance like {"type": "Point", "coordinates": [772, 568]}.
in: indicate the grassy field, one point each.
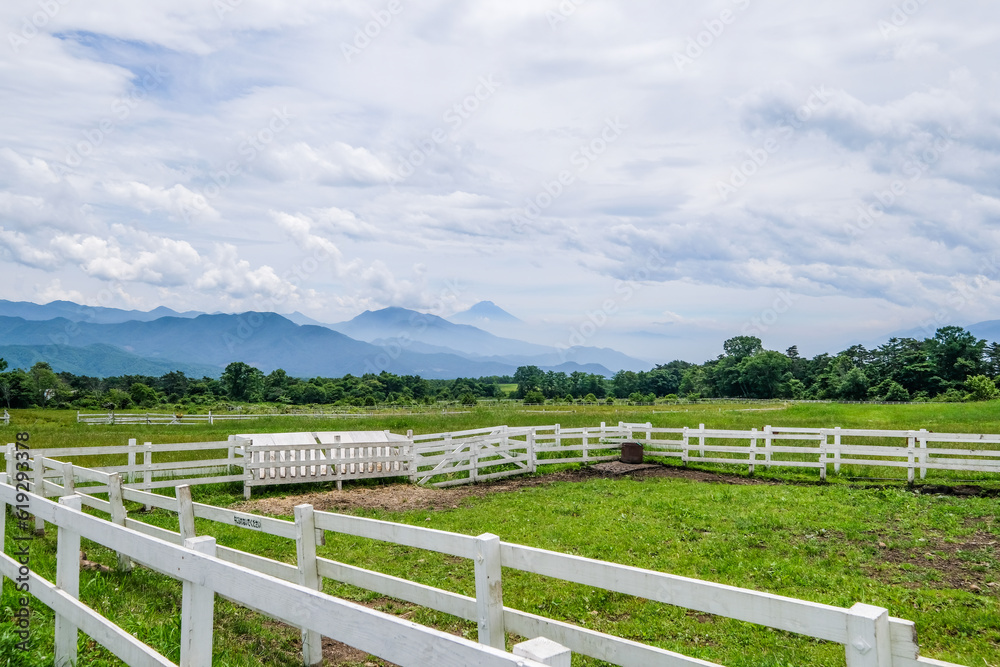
{"type": "Point", "coordinates": [930, 558]}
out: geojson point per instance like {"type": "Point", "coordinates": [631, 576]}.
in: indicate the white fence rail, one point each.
{"type": "Point", "coordinates": [463, 457]}
{"type": "Point", "coordinates": [869, 636]}
{"type": "Point", "coordinates": [204, 575]}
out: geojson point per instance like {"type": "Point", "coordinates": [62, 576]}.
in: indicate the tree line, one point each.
{"type": "Point", "coordinates": [953, 365]}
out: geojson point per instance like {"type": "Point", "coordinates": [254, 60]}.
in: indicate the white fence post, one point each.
{"type": "Point", "coordinates": [767, 446]}
{"type": "Point", "coordinates": [753, 447]}
{"type": "Point", "coordinates": [836, 450]}
{"type": "Point", "coordinates": [868, 641]}
{"type": "Point", "coordinates": [923, 453]}
{"type": "Point", "coordinates": [489, 591]}
{"type": "Point", "coordinates": [532, 454]}
{"type": "Point", "coordinates": [305, 548]}
{"type": "Point", "coordinates": [197, 612]}
{"type": "Point", "coordinates": [38, 473]}
{"type": "Point", "coordinates": [131, 460]}
{"type": "Point", "coordinates": [701, 440]}
{"type": "Point", "coordinates": [911, 456]}
{"type": "Point", "coordinates": [544, 651]}
{"type": "Point", "coordinates": [69, 481]}
{"type": "Point", "coordinates": [147, 462]}
{"type": "Point", "coordinates": [67, 579]}
{"type": "Point", "coordinates": [474, 459]}
{"type": "Point", "coordinates": [685, 445]}
{"type": "Point", "coordinates": [185, 511]}
{"type": "Point", "coordinates": [118, 514]}
{"type": "Point", "coordinates": [824, 443]}
{"type": "Point", "coordinates": [9, 458]}
{"type": "Point", "coordinates": [585, 444]}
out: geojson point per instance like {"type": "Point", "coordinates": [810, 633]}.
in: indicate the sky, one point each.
{"type": "Point", "coordinates": [653, 176]}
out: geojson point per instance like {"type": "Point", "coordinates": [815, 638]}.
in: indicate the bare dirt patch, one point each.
{"type": "Point", "coordinates": [401, 497]}
{"type": "Point", "coordinates": [967, 565]}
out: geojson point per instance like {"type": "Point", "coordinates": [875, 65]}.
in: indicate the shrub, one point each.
{"type": "Point", "coordinates": [534, 398]}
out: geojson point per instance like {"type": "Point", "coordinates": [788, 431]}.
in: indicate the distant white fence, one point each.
{"type": "Point", "coordinates": [918, 451]}
{"type": "Point", "coordinates": [463, 457]}
{"type": "Point", "coordinates": [290, 592]}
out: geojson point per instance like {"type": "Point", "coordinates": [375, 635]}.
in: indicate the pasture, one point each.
{"type": "Point", "coordinates": [931, 558]}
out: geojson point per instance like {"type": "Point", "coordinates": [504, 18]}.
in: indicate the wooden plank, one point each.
{"type": "Point", "coordinates": [308, 576]}
{"type": "Point", "coordinates": [799, 616]}
{"type": "Point", "coordinates": [197, 611]}
{"type": "Point", "coordinates": [185, 512]}
{"type": "Point", "coordinates": [68, 581]}
{"type": "Point", "coordinates": [596, 644]}
{"type": "Point", "coordinates": [441, 541]}
{"type": "Point", "coordinates": [489, 591]}
{"type": "Point", "coordinates": [126, 647]}
{"type": "Point", "coordinates": [868, 642]}
{"type": "Point", "coordinates": [461, 606]}
{"type": "Point", "coordinates": [118, 514]}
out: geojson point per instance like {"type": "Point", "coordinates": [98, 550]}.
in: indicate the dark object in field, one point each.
{"type": "Point", "coordinates": [631, 452]}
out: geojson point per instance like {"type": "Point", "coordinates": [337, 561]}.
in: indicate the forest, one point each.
{"type": "Point", "coordinates": [953, 365]}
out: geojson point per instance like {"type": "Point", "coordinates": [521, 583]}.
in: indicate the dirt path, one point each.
{"type": "Point", "coordinates": [412, 497]}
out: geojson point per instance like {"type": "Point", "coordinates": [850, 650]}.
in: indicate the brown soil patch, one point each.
{"type": "Point", "coordinates": [968, 565]}
{"type": "Point", "coordinates": [398, 497]}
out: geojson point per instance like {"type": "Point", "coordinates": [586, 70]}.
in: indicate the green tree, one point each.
{"type": "Point", "coordinates": [763, 374]}
{"type": "Point", "coordinates": [956, 354]}
{"type": "Point", "coordinates": [741, 347]}
{"type": "Point", "coordinates": [853, 386]}
{"type": "Point", "coordinates": [143, 395]}
{"type": "Point", "coordinates": [243, 382]}
{"type": "Point", "coordinates": [981, 388]}
{"type": "Point", "coordinates": [528, 379]}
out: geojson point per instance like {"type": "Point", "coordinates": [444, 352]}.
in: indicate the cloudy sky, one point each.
{"type": "Point", "coordinates": [651, 175]}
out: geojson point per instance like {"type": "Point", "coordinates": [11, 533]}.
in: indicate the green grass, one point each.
{"type": "Point", "coordinates": [839, 543]}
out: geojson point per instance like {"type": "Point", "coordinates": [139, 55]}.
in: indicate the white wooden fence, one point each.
{"type": "Point", "coordinates": [321, 456]}
{"type": "Point", "coordinates": [463, 457]}
{"type": "Point", "coordinates": [290, 592]}
{"type": "Point", "coordinates": [204, 571]}
{"type": "Point", "coordinates": [820, 448]}
{"type": "Point", "coordinates": [177, 463]}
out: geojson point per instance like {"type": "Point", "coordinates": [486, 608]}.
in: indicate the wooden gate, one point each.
{"type": "Point", "coordinates": [301, 458]}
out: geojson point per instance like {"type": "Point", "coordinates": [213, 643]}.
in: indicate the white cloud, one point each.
{"type": "Point", "coordinates": [142, 207]}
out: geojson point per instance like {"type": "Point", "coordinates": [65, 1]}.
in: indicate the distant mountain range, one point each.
{"type": "Point", "coordinates": [107, 341]}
